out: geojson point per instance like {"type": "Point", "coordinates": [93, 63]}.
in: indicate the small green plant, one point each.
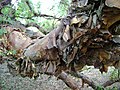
{"type": "Point", "coordinates": [11, 52]}
{"type": "Point", "coordinates": [100, 88]}
{"type": "Point", "coordinates": [2, 53]}
{"type": "Point", "coordinates": [114, 75]}
{"type": "Point", "coordinates": [7, 15]}
{"type": "Point", "coordinates": [2, 31]}
{"type": "Point", "coordinates": [114, 88]}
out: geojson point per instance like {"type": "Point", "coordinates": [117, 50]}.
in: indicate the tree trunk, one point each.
{"type": "Point", "coordinates": [84, 37]}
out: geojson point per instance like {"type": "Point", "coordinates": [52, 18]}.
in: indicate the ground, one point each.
{"type": "Point", "coordinates": [45, 82]}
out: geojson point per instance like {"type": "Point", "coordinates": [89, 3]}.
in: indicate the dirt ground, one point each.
{"type": "Point", "coordinates": [45, 82]}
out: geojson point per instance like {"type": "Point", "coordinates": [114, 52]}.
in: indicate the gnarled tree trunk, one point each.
{"type": "Point", "coordinates": [86, 36]}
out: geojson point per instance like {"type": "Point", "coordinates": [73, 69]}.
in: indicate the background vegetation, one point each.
{"type": "Point", "coordinates": [27, 12]}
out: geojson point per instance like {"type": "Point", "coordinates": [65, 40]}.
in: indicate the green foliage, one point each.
{"type": "Point", "coordinates": [114, 88]}
{"type": "Point", "coordinates": [114, 74]}
{"type": "Point", "coordinates": [2, 54]}
{"type": "Point", "coordinates": [35, 8]}
{"type": "Point", "coordinates": [102, 88]}
{"type": "Point", "coordinates": [48, 24]}
{"type": "Point", "coordinates": [23, 10]}
{"type": "Point", "coordinates": [7, 53]}
{"type": "Point", "coordinates": [2, 31]}
{"type": "Point", "coordinates": [25, 13]}
{"type": "Point", "coordinates": [8, 15]}
{"type": "Point", "coordinates": [6, 10]}
{"type": "Point", "coordinates": [60, 10]}
{"type": "Point", "coordinates": [11, 52]}
{"type": "Point", "coordinates": [63, 7]}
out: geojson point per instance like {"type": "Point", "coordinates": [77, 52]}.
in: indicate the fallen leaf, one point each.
{"type": "Point", "coordinates": [104, 55]}
{"type": "Point", "coordinates": [74, 20]}
{"type": "Point", "coordinates": [66, 35]}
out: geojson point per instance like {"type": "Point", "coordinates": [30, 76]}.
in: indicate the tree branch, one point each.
{"type": "Point", "coordinates": [40, 15]}
{"type": "Point", "coordinates": [91, 83]}
{"type": "Point", "coordinates": [69, 81]}
{"type": "Point", "coordinates": [110, 82]}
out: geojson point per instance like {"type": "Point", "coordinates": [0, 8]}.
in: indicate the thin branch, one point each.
{"type": "Point", "coordinates": [49, 16]}
{"type": "Point", "coordinates": [40, 15]}
{"type": "Point", "coordinates": [110, 82]}
{"type": "Point", "coordinates": [17, 16]}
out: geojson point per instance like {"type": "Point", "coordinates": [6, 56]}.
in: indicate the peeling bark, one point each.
{"type": "Point", "coordinates": [83, 38]}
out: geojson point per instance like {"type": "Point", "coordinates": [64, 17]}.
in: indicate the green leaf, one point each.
{"type": "Point", "coordinates": [6, 10]}
{"type": "Point", "coordinates": [100, 88]}
{"type": "Point", "coordinates": [2, 31]}
{"type": "Point", "coordinates": [114, 75]}
{"type": "Point", "coordinates": [2, 54]}
{"type": "Point", "coordinates": [11, 52]}
{"type": "Point", "coordinates": [1, 18]}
